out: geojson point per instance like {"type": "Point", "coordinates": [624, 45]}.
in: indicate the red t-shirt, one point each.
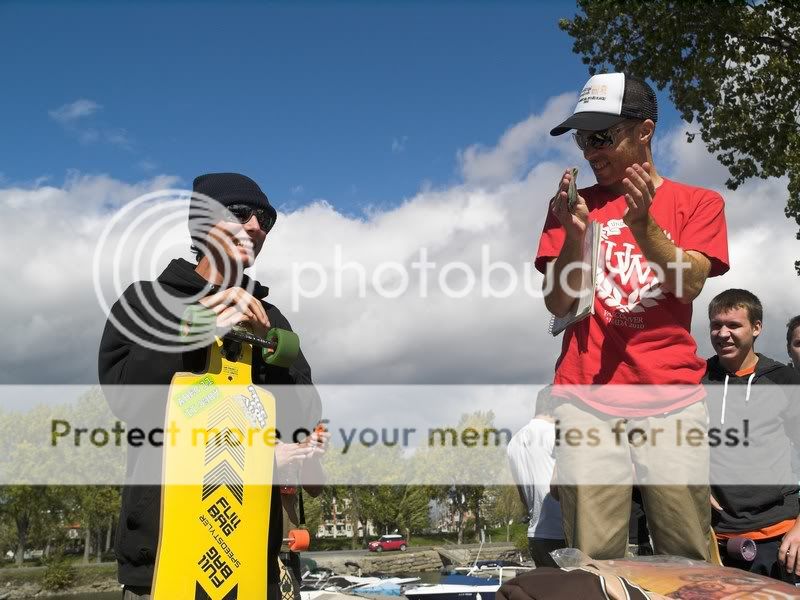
{"type": "Point", "coordinates": [638, 334]}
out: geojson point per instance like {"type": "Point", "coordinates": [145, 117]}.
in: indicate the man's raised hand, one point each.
{"type": "Point", "coordinates": [639, 193]}
{"type": "Point", "coordinates": [574, 221]}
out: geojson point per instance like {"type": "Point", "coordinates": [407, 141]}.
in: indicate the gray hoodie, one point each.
{"type": "Point", "coordinates": [753, 421]}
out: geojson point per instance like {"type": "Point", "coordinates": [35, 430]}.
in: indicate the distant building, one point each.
{"type": "Point", "coordinates": [337, 523]}
{"type": "Point", "coordinates": [443, 518]}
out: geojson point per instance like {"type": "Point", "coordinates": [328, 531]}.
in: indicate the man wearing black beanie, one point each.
{"type": "Point", "coordinates": [229, 219]}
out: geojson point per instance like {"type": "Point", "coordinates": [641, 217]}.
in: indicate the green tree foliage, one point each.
{"type": "Point", "coordinates": [22, 506]}
{"type": "Point", "coordinates": [376, 466]}
{"type": "Point", "coordinates": [29, 510]}
{"type": "Point", "coordinates": [520, 539]}
{"type": "Point", "coordinates": [380, 506]}
{"type": "Point", "coordinates": [461, 465]}
{"type": "Point", "coordinates": [8, 533]}
{"type": "Point", "coordinates": [398, 508]}
{"type": "Point", "coordinates": [368, 486]}
{"type": "Point", "coordinates": [95, 507]}
{"type": "Point", "coordinates": [413, 510]}
{"type": "Point", "coordinates": [360, 507]}
{"type": "Point", "coordinates": [730, 65]}
{"type": "Point", "coordinates": [48, 528]}
{"type": "Point", "coordinates": [313, 508]}
{"type": "Point", "coordinates": [502, 505]}
{"type": "Point", "coordinates": [38, 514]}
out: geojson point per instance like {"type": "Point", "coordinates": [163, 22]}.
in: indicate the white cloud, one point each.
{"type": "Point", "coordinates": [414, 338]}
{"type": "Point", "coordinates": [118, 137]}
{"type": "Point", "coordinates": [399, 144]}
{"type": "Point", "coordinates": [87, 136]}
{"type": "Point", "coordinates": [50, 311]}
{"type": "Point", "coordinates": [74, 111]}
{"type": "Point", "coordinates": [147, 165]}
{"type": "Point", "coordinates": [72, 117]}
{"type": "Point", "coordinates": [53, 318]}
{"type": "Point", "coordinates": [517, 146]}
{"type": "Point", "coordinates": [761, 239]}
{"type": "Point", "coordinates": [298, 189]}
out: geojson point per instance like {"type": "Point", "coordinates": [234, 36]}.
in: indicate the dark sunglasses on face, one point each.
{"type": "Point", "coordinates": [242, 213]}
{"type": "Point", "coordinates": [600, 139]}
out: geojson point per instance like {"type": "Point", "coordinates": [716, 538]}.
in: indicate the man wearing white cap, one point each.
{"type": "Point", "coordinates": [660, 240]}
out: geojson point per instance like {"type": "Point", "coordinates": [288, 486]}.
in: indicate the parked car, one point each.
{"type": "Point", "coordinates": [388, 542]}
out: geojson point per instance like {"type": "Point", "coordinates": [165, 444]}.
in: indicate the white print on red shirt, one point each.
{"type": "Point", "coordinates": [625, 282]}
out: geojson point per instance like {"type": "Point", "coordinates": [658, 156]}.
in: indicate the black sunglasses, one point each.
{"type": "Point", "coordinates": [242, 213]}
{"type": "Point", "coordinates": [600, 139]}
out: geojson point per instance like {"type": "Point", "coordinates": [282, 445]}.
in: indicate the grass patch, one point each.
{"type": "Point", "coordinates": [439, 539]}
{"type": "Point", "coordinates": [343, 543]}
{"type": "Point", "coordinates": [84, 575]}
{"type": "Point", "coordinates": [93, 573]}
{"type": "Point", "coordinates": [417, 540]}
{"type": "Point", "coordinates": [498, 534]}
{"type": "Point", "coordinates": [339, 543]}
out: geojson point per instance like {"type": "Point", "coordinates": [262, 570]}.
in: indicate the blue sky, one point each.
{"type": "Point", "coordinates": [357, 103]}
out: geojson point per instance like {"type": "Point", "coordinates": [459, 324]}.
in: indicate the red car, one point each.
{"type": "Point", "coordinates": [388, 542]}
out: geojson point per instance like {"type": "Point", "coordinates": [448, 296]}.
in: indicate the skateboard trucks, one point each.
{"type": "Point", "coordinates": [279, 347]}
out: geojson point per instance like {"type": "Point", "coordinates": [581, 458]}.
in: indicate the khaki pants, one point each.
{"type": "Point", "coordinates": [595, 479]}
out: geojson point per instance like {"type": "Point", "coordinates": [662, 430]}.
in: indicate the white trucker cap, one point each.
{"type": "Point", "coordinates": [608, 99]}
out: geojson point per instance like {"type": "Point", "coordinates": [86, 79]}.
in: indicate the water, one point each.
{"type": "Point", "coordinates": [428, 577]}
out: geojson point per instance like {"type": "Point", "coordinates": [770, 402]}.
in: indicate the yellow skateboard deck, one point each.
{"type": "Point", "coordinates": [217, 473]}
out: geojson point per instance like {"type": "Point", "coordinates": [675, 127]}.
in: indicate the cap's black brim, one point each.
{"type": "Point", "coordinates": [589, 121]}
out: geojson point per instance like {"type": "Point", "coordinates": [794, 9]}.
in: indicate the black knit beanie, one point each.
{"type": "Point", "coordinates": [226, 189]}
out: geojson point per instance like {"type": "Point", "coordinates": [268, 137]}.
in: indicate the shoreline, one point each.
{"type": "Point", "coordinates": [20, 583]}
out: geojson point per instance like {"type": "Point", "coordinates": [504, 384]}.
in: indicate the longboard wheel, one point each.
{"type": "Point", "coordinates": [299, 540]}
{"type": "Point", "coordinates": [741, 548]}
{"type": "Point", "coordinates": [287, 347]}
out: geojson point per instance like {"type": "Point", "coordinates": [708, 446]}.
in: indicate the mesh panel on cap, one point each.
{"type": "Point", "coordinates": [639, 101]}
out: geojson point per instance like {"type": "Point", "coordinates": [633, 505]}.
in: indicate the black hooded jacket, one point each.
{"type": "Point", "coordinates": [129, 373]}
{"type": "Point", "coordinates": [753, 421]}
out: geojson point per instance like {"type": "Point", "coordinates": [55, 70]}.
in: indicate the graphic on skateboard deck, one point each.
{"type": "Point", "coordinates": [217, 472]}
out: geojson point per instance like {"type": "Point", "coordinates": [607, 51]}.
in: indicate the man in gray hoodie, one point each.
{"type": "Point", "coordinates": [754, 414]}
